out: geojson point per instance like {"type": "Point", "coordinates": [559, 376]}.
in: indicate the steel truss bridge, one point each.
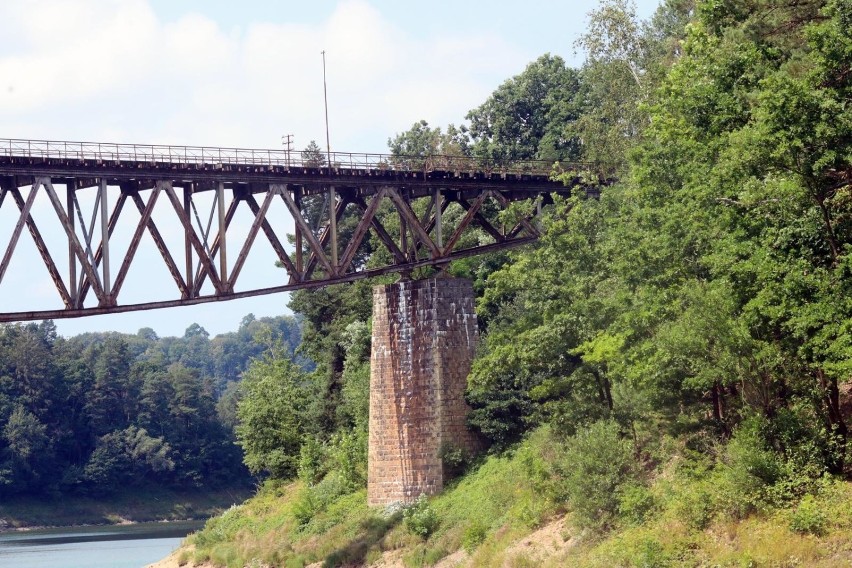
{"type": "Point", "coordinates": [423, 212]}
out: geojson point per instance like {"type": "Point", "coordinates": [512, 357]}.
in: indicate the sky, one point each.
{"type": "Point", "coordinates": [243, 74]}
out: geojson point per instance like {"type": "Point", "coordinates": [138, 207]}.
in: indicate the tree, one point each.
{"type": "Point", "coordinates": [528, 116]}
{"type": "Point", "coordinates": [625, 64]}
{"type": "Point", "coordinates": [110, 402]}
{"type": "Point", "coordinates": [313, 156]}
{"type": "Point", "coordinates": [272, 417]}
{"type": "Point", "coordinates": [423, 146]}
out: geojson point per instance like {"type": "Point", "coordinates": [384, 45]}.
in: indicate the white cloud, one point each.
{"type": "Point", "coordinates": [114, 70]}
{"type": "Point", "coordinates": [85, 69]}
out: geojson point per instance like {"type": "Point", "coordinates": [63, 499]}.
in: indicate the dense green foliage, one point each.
{"type": "Point", "coordinates": [96, 413]}
{"type": "Point", "coordinates": [666, 361]}
{"type": "Point", "coordinates": [705, 296]}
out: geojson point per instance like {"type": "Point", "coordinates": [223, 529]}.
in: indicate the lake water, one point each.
{"type": "Point", "coordinates": [128, 546]}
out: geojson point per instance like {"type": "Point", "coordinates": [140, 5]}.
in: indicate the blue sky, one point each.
{"type": "Point", "coordinates": [226, 73]}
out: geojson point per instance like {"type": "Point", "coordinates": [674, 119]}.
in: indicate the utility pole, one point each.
{"type": "Point", "coordinates": [287, 142]}
{"type": "Point", "coordinates": [325, 98]}
{"type": "Point", "coordinates": [332, 201]}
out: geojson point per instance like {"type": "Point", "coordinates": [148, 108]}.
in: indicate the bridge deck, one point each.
{"type": "Point", "coordinates": [147, 163]}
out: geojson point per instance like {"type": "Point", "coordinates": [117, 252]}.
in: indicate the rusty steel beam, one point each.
{"type": "Point", "coordinates": [343, 279]}
{"type": "Point", "coordinates": [324, 239]}
{"type": "Point", "coordinates": [308, 235]}
{"type": "Point", "coordinates": [44, 252]}
{"type": "Point", "coordinates": [322, 254]}
{"type": "Point", "coordinates": [274, 241]}
{"type": "Point", "coordinates": [463, 224]}
{"type": "Point", "coordinates": [259, 218]}
{"type": "Point", "coordinates": [360, 232]}
{"type": "Point", "coordinates": [19, 226]}
{"type": "Point", "coordinates": [113, 222]}
{"type": "Point", "coordinates": [160, 243]}
{"type": "Point", "coordinates": [404, 209]}
{"type": "Point", "coordinates": [192, 238]}
{"type": "Point", "coordinates": [482, 221]}
{"type": "Point", "coordinates": [88, 268]}
{"type": "Point", "coordinates": [135, 241]}
{"type": "Point", "coordinates": [201, 273]}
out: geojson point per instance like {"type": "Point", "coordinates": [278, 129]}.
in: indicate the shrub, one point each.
{"type": "Point", "coordinates": [808, 517]}
{"type": "Point", "coordinates": [311, 461]}
{"type": "Point", "coordinates": [420, 518]}
{"type": "Point", "coordinates": [348, 454]}
{"type": "Point", "coordinates": [634, 503]}
{"type": "Point", "coordinates": [474, 534]}
{"type": "Point", "coordinates": [598, 462]}
{"type": "Point", "coordinates": [694, 505]}
{"type": "Point", "coordinates": [749, 470]}
{"type": "Point", "coordinates": [305, 507]}
{"type": "Point", "coordinates": [453, 460]}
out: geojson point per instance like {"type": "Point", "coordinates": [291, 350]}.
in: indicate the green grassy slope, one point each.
{"type": "Point", "coordinates": [679, 519]}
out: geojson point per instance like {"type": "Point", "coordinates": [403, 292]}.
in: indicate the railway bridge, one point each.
{"type": "Point", "coordinates": [421, 212]}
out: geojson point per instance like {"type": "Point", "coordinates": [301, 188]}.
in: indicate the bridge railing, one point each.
{"type": "Point", "coordinates": [213, 156]}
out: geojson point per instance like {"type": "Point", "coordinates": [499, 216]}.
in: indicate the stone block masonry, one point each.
{"type": "Point", "coordinates": [424, 339]}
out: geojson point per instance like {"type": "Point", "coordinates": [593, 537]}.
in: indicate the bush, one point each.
{"type": "Point", "coordinates": [348, 455]}
{"type": "Point", "coordinates": [597, 464]}
{"type": "Point", "coordinates": [808, 517]}
{"type": "Point", "coordinates": [634, 503]}
{"type": "Point", "coordinates": [749, 470]}
{"type": "Point", "coordinates": [420, 518]}
{"type": "Point", "coordinates": [311, 461]}
{"type": "Point", "coordinates": [694, 505]}
{"type": "Point", "coordinates": [454, 461]}
{"type": "Point", "coordinates": [305, 507]}
{"type": "Point", "coordinates": [474, 534]}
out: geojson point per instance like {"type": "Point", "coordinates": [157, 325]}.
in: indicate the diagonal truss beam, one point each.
{"type": "Point", "coordinates": [259, 219]}
{"type": "Point", "coordinates": [471, 212]}
{"type": "Point", "coordinates": [44, 252]}
{"type": "Point", "coordinates": [193, 239]}
{"type": "Point", "coordinates": [418, 241]}
{"type": "Point", "coordinates": [161, 245]}
{"type": "Point", "coordinates": [217, 247]}
{"type": "Point", "coordinates": [99, 253]}
{"type": "Point", "coordinates": [404, 209]}
{"type": "Point", "coordinates": [88, 268]}
{"type": "Point", "coordinates": [482, 221]}
{"type": "Point", "coordinates": [327, 236]}
{"type": "Point", "coordinates": [361, 231]}
{"type": "Point", "coordinates": [307, 234]}
{"type": "Point", "coordinates": [19, 227]}
{"type": "Point", "coordinates": [383, 234]}
{"type": "Point", "coordinates": [274, 241]}
{"type": "Point", "coordinates": [136, 240]}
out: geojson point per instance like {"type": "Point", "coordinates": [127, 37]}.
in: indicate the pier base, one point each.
{"type": "Point", "coordinates": [424, 339]}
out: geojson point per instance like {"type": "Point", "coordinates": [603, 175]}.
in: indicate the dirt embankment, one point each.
{"type": "Point", "coordinates": [544, 544]}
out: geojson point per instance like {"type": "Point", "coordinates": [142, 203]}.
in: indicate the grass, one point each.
{"type": "Point", "coordinates": [139, 505]}
{"type": "Point", "coordinates": [503, 499]}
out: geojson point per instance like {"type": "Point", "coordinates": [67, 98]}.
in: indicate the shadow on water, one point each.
{"type": "Point", "coordinates": [140, 531]}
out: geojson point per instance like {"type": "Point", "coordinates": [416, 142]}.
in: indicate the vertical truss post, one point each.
{"type": "Point", "coordinates": [187, 241]}
{"type": "Point", "coordinates": [70, 190]}
{"type": "Point", "coordinates": [102, 189]}
{"type": "Point", "coordinates": [300, 265]}
{"type": "Point", "coordinates": [538, 224]}
{"type": "Point", "coordinates": [439, 226]}
{"type": "Point", "coordinates": [223, 229]}
{"type": "Point", "coordinates": [403, 235]}
{"type": "Point", "coordinates": [332, 224]}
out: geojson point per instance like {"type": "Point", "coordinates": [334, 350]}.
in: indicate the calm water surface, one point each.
{"type": "Point", "coordinates": [130, 546]}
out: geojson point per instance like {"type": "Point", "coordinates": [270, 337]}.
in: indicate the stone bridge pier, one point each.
{"type": "Point", "coordinates": [424, 338]}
